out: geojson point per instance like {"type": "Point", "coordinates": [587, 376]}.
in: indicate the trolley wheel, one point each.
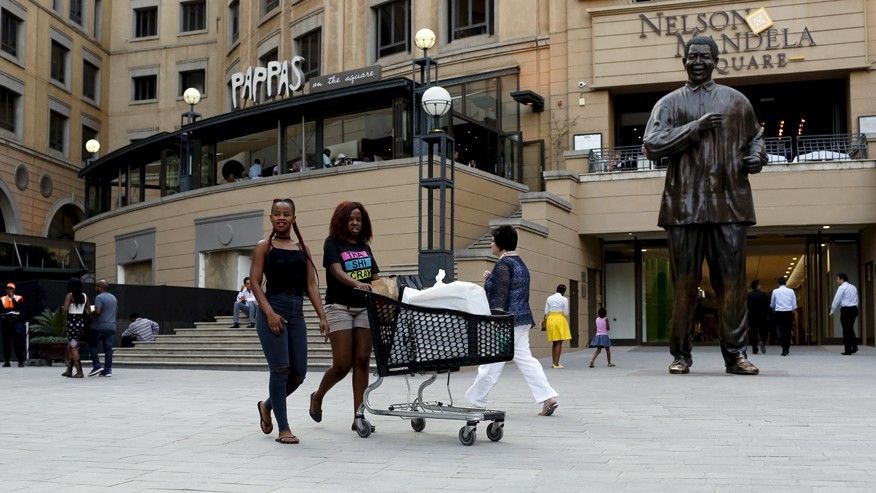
{"type": "Point", "coordinates": [467, 435]}
{"type": "Point", "coordinates": [418, 424]}
{"type": "Point", "coordinates": [495, 430]}
{"type": "Point", "coordinates": [363, 427]}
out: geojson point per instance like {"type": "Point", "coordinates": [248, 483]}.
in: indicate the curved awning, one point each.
{"type": "Point", "coordinates": [250, 120]}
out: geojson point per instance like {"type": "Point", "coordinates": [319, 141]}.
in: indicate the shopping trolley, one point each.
{"type": "Point", "coordinates": [412, 340]}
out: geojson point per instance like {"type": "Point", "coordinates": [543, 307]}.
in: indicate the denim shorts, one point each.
{"type": "Point", "coordinates": [343, 317]}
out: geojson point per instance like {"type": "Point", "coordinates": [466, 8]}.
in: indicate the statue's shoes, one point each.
{"type": "Point", "coordinates": [743, 367]}
{"type": "Point", "coordinates": [679, 367]}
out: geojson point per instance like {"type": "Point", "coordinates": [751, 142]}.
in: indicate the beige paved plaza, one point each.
{"type": "Point", "coordinates": [805, 424]}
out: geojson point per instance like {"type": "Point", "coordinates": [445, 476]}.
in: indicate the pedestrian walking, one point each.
{"type": "Point", "coordinates": [846, 299]}
{"type": "Point", "coordinates": [556, 323]}
{"type": "Point", "coordinates": [289, 272]}
{"type": "Point", "coordinates": [601, 340]}
{"type": "Point", "coordinates": [758, 305]}
{"type": "Point", "coordinates": [76, 309]}
{"type": "Point", "coordinates": [784, 303]}
{"type": "Point", "coordinates": [349, 264]}
{"type": "Point", "coordinates": [103, 330]}
{"type": "Point", "coordinates": [507, 287]}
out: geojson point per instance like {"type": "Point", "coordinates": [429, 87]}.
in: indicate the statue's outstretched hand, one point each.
{"type": "Point", "coordinates": [709, 121]}
{"type": "Point", "coordinates": [752, 164]}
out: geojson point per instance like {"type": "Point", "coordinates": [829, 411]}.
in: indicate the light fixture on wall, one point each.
{"type": "Point", "coordinates": [529, 98]}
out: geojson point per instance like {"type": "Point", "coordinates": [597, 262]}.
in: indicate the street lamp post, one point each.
{"type": "Point", "coordinates": [191, 96]}
{"type": "Point", "coordinates": [434, 149]}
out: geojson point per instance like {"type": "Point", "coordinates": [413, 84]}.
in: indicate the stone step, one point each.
{"type": "Point", "coordinates": [200, 340]}
{"type": "Point", "coordinates": [220, 350]}
{"type": "Point", "coordinates": [211, 356]}
{"type": "Point", "coordinates": [210, 365]}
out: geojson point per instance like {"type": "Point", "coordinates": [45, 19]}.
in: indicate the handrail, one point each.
{"type": "Point", "coordinates": [779, 150]}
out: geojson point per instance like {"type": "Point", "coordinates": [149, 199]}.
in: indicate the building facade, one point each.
{"type": "Point", "coordinates": [550, 99]}
{"type": "Point", "coordinates": [54, 60]}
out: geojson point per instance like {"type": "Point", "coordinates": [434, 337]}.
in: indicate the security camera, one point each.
{"type": "Point", "coordinates": [582, 84]}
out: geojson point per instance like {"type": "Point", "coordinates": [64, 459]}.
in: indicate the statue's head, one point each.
{"type": "Point", "coordinates": [700, 58]}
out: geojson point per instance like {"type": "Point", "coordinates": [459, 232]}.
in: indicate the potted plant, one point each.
{"type": "Point", "coordinates": [48, 335]}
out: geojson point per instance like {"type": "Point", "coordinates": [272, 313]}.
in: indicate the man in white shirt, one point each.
{"type": "Point", "coordinates": [784, 304]}
{"type": "Point", "coordinates": [846, 299]}
{"type": "Point", "coordinates": [255, 171]}
{"type": "Point", "coordinates": [246, 300]}
{"type": "Point", "coordinates": [140, 329]}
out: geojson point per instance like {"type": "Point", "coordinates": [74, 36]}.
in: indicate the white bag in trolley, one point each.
{"type": "Point", "coordinates": [451, 341]}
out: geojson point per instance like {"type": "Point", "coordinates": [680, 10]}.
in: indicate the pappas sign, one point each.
{"type": "Point", "coordinates": [727, 28]}
{"type": "Point", "coordinates": [285, 77]}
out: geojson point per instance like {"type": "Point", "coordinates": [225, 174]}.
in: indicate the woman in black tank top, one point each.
{"type": "Point", "coordinates": [290, 273]}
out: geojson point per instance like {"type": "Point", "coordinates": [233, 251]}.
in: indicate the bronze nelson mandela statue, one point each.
{"type": "Point", "coordinates": [712, 141]}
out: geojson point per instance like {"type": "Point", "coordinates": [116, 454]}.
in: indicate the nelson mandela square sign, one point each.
{"type": "Point", "coordinates": [738, 34]}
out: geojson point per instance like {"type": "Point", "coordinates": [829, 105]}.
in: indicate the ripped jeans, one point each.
{"type": "Point", "coordinates": [286, 353]}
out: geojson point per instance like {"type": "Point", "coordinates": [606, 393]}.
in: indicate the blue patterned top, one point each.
{"type": "Point", "coordinates": [508, 289]}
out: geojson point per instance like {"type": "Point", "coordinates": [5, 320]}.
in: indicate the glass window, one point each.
{"type": "Point", "coordinates": [59, 62]}
{"type": "Point", "coordinates": [480, 101]}
{"type": "Point", "coordinates": [268, 57]}
{"type": "Point", "coordinates": [76, 11]}
{"type": "Point", "coordinates": [145, 87]}
{"type": "Point", "coordinates": [9, 28]}
{"type": "Point", "coordinates": [146, 22]}
{"type": "Point", "coordinates": [360, 137]}
{"type": "Point", "coordinates": [270, 5]}
{"type": "Point", "coordinates": [309, 48]}
{"type": "Point", "coordinates": [8, 106]}
{"type": "Point", "coordinates": [88, 133]}
{"type": "Point", "coordinates": [90, 78]}
{"type": "Point", "coordinates": [192, 78]}
{"type": "Point", "coordinates": [234, 20]}
{"type": "Point", "coordinates": [194, 16]}
{"type": "Point", "coordinates": [57, 131]}
{"type": "Point", "coordinates": [470, 18]}
{"type": "Point", "coordinates": [301, 147]}
{"type": "Point", "coordinates": [393, 27]}
{"type": "Point", "coordinates": [510, 108]}
{"type": "Point", "coordinates": [657, 293]}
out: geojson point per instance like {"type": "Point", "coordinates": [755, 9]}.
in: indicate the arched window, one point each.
{"type": "Point", "coordinates": [61, 227]}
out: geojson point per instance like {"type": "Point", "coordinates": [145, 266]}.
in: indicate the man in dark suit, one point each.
{"type": "Point", "coordinates": [758, 312]}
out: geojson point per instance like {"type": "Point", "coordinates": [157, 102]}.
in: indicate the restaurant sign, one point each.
{"type": "Point", "coordinates": [345, 79]}
{"type": "Point", "coordinates": [738, 34]}
{"type": "Point", "coordinates": [278, 78]}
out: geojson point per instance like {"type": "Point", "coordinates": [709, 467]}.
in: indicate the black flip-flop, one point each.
{"type": "Point", "coordinates": [314, 415]}
{"type": "Point", "coordinates": [287, 440]}
{"type": "Point", "coordinates": [266, 426]}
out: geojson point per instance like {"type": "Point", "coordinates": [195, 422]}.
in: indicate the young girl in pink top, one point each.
{"type": "Point", "coordinates": [601, 340]}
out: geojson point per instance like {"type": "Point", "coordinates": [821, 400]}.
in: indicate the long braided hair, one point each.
{"type": "Point", "coordinates": [297, 235]}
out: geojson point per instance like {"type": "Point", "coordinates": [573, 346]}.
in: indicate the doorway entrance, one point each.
{"type": "Point", "coordinates": [808, 263]}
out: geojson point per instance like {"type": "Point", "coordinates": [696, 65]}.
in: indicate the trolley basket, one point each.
{"type": "Point", "coordinates": [411, 339]}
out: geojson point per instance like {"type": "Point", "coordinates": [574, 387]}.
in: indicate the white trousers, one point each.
{"type": "Point", "coordinates": [531, 369]}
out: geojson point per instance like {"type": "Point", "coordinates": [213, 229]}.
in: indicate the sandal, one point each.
{"type": "Point", "coordinates": [611, 365]}
{"type": "Point", "coordinates": [287, 439]}
{"type": "Point", "coordinates": [314, 415]}
{"type": "Point", "coordinates": [549, 407]}
{"type": "Point", "coordinates": [266, 426]}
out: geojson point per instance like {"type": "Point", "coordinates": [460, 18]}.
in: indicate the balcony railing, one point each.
{"type": "Point", "coordinates": [780, 150]}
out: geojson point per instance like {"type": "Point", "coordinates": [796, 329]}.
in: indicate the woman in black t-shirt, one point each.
{"type": "Point", "coordinates": [349, 265]}
{"type": "Point", "coordinates": [290, 272]}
